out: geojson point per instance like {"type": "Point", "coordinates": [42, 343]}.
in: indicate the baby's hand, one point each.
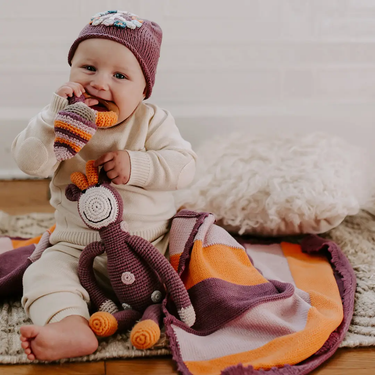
{"type": "Point", "coordinates": [70, 88]}
{"type": "Point", "coordinates": [117, 166]}
{"type": "Point", "coordinates": [74, 88]}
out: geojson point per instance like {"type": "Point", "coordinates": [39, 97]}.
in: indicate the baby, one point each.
{"type": "Point", "coordinates": [114, 61]}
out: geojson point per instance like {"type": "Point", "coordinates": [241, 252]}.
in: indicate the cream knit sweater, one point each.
{"type": "Point", "coordinates": [161, 161]}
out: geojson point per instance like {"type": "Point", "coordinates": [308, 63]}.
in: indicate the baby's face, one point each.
{"type": "Point", "coordinates": [108, 70]}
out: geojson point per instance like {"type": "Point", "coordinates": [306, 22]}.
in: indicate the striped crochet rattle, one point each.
{"type": "Point", "coordinates": [76, 124]}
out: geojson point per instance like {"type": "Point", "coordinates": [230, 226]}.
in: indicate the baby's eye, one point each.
{"type": "Point", "coordinates": [89, 67]}
{"type": "Point", "coordinates": [120, 76]}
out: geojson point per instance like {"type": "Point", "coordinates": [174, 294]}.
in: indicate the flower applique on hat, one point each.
{"type": "Point", "coordinates": [118, 18]}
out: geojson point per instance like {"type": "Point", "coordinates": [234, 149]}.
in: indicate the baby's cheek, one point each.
{"type": "Point", "coordinates": [76, 76]}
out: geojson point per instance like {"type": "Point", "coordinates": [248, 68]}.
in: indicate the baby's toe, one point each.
{"type": "Point", "coordinates": [28, 351]}
{"type": "Point", "coordinates": [31, 357]}
{"type": "Point", "coordinates": [25, 345]}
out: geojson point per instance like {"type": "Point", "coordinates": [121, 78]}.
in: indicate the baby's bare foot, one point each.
{"type": "Point", "coordinates": [72, 337]}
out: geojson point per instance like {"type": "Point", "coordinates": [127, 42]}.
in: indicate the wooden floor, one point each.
{"type": "Point", "coordinates": [20, 197]}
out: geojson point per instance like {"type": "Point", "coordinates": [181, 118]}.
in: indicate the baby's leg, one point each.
{"type": "Point", "coordinates": [57, 304]}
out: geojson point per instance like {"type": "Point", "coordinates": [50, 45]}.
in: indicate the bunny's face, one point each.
{"type": "Point", "coordinates": [98, 206]}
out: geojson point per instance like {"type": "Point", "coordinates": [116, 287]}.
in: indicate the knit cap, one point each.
{"type": "Point", "coordinates": [142, 37]}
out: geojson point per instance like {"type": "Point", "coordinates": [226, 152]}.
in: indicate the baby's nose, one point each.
{"type": "Point", "coordinates": [99, 83]}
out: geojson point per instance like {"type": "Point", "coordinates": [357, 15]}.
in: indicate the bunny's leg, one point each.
{"type": "Point", "coordinates": [105, 324]}
{"type": "Point", "coordinates": [146, 332]}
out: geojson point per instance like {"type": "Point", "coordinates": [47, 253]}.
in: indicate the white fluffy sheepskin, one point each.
{"type": "Point", "coordinates": [279, 185]}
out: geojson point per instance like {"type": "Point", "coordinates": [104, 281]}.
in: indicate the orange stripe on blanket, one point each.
{"type": "Point", "coordinates": [212, 262]}
{"type": "Point", "coordinates": [285, 349]}
{"type": "Point", "coordinates": [175, 260]}
{"type": "Point", "coordinates": [20, 243]}
{"type": "Point", "coordinates": [313, 274]}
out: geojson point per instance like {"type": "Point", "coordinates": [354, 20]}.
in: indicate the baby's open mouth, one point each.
{"type": "Point", "coordinates": [103, 105]}
{"type": "Point", "coordinates": [99, 107]}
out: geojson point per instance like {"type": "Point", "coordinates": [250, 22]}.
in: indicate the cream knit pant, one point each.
{"type": "Point", "coordinates": [51, 287]}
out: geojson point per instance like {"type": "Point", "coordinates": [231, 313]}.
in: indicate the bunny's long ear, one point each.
{"type": "Point", "coordinates": [80, 180]}
{"type": "Point", "coordinates": [92, 173]}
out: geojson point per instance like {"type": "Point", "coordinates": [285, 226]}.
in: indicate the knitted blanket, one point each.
{"type": "Point", "coordinates": [275, 306]}
{"type": "Point", "coordinates": [257, 304]}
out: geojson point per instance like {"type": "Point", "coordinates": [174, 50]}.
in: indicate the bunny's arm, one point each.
{"type": "Point", "coordinates": [167, 274]}
{"type": "Point", "coordinates": [88, 280]}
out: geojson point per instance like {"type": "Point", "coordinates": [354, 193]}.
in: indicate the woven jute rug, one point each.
{"type": "Point", "coordinates": [355, 236]}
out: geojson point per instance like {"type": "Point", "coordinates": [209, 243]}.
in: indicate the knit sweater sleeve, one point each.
{"type": "Point", "coordinates": [168, 162]}
{"type": "Point", "coordinates": [32, 149]}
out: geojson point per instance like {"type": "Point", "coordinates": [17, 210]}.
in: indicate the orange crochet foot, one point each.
{"type": "Point", "coordinates": [145, 334]}
{"type": "Point", "coordinates": [103, 324]}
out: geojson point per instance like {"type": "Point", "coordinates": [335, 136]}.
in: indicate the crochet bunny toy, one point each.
{"type": "Point", "coordinates": [140, 276]}
{"type": "Point", "coordinates": [77, 123]}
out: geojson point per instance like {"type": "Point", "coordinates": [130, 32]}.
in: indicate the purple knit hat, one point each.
{"type": "Point", "coordinates": [142, 37]}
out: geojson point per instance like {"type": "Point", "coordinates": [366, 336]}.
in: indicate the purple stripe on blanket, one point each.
{"type": "Point", "coordinates": [12, 267]}
{"type": "Point", "coordinates": [217, 302]}
{"type": "Point", "coordinates": [11, 259]}
{"type": "Point", "coordinates": [190, 214]}
{"type": "Point", "coordinates": [345, 278]}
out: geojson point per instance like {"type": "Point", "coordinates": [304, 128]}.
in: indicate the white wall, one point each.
{"type": "Point", "coordinates": [262, 65]}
